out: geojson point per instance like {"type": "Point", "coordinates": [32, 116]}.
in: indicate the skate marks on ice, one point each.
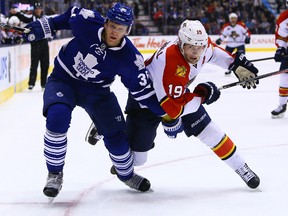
{"type": "Point", "coordinates": [188, 190]}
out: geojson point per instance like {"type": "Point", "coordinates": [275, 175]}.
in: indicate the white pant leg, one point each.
{"type": "Point", "coordinates": [140, 158]}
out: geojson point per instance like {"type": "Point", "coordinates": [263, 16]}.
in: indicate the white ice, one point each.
{"type": "Point", "coordinates": [187, 178]}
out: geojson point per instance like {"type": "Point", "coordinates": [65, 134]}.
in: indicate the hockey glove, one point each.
{"type": "Point", "coordinates": [173, 128]}
{"type": "Point", "coordinates": [244, 69]}
{"type": "Point", "coordinates": [247, 40]}
{"type": "Point", "coordinates": [218, 41]}
{"type": "Point", "coordinates": [208, 91]}
{"type": "Point", "coordinates": [40, 29]}
{"type": "Point", "coordinates": [280, 54]}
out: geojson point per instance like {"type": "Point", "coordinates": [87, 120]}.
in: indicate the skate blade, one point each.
{"type": "Point", "coordinates": [281, 115]}
{"type": "Point", "coordinates": [50, 200]}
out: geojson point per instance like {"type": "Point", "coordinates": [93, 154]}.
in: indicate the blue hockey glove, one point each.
{"type": "Point", "coordinates": [208, 91]}
{"type": "Point", "coordinates": [40, 29]}
{"type": "Point", "coordinates": [173, 128]}
{"type": "Point", "coordinates": [247, 40]}
{"type": "Point", "coordinates": [218, 41]}
{"type": "Point", "coordinates": [280, 54]}
{"type": "Point", "coordinates": [244, 69]}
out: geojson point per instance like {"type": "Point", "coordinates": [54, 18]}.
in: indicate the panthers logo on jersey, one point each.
{"type": "Point", "coordinates": [234, 35]}
{"type": "Point", "coordinates": [181, 71]}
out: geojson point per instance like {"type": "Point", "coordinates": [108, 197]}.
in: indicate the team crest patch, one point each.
{"type": "Point", "coordinates": [139, 62]}
{"type": "Point", "coordinates": [86, 13]}
{"type": "Point", "coordinates": [181, 71]}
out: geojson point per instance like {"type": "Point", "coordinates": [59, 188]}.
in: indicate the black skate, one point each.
{"type": "Point", "coordinates": [113, 170]}
{"type": "Point", "coordinates": [92, 135]}
{"type": "Point", "coordinates": [249, 177]}
{"type": "Point", "coordinates": [279, 111]}
{"type": "Point", "coordinates": [53, 185]}
{"type": "Point", "coordinates": [228, 72]}
{"type": "Point", "coordinates": [136, 182]}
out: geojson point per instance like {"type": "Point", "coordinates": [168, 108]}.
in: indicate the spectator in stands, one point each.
{"type": "Point", "coordinates": [136, 10]}
{"type": "Point", "coordinates": [139, 29]}
{"type": "Point", "coordinates": [210, 11]}
{"type": "Point", "coordinates": [48, 10]}
{"type": "Point", "coordinates": [158, 18]}
{"type": "Point", "coordinates": [10, 36]}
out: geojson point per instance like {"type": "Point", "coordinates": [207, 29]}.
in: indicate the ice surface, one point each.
{"type": "Point", "coordinates": [187, 178]}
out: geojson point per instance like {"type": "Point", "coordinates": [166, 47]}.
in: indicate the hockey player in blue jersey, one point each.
{"type": "Point", "coordinates": [83, 71]}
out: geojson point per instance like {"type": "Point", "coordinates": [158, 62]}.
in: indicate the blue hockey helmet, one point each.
{"type": "Point", "coordinates": [121, 14]}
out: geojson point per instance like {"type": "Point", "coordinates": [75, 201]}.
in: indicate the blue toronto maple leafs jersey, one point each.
{"type": "Point", "coordinates": [87, 58]}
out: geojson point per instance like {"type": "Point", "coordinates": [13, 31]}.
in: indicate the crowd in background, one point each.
{"type": "Point", "coordinates": [213, 14]}
{"type": "Point", "coordinates": [168, 14]}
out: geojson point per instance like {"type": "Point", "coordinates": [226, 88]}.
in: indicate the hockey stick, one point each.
{"type": "Point", "coordinates": [262, 59]}
{"type": "Point", "coordinates": [268, 58]}
{"type": "Point", "coordinates": [252, 79]}
{"type": "Point", "coordinates": [16, 28]}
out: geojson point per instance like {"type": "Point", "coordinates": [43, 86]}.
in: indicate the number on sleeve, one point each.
{"type": "Point", "coordinates": [175, 91]}
{"type": "Point", "coordinates": [143, 79]}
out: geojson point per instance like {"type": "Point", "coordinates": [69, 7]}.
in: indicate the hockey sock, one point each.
{"type": "Point", "coordinates": [226, 150]}
{"type": "Point", "coordinates": [221, 145]}
{"type": "Point", "coordinates": [123, 165]}
{"type": "Point", "coordinates": [283, 95]}
{"type": "Point", "coordinates": [55, 146]}
{"type": "Point", "coordinates": [55, 139]}
{"type": "Point", "coordinates": [120, 154]}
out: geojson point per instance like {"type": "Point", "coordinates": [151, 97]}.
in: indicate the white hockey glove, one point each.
{"type": "Point", "coordinates": [244, 69]}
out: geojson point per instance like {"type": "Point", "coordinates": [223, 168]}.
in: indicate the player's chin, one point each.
{"type": "Point", "coordinates": [113, 41]}
{"type": "Point", "coordinates": [193, 60]}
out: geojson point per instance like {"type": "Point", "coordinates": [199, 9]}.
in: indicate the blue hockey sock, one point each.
{"type": "Point", "coordinates": [55, 146]}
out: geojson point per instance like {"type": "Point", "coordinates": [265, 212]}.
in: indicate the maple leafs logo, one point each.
{"type": "Point", "coordinates": [86, 13]}
{"type": "Point", "coordinates": [83, 66]}
{"type": "Point", "coordinates": [139, 62]}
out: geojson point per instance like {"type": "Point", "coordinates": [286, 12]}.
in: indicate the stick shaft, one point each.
{"type": "Point", "coordinates": [261, 59]}
{"type": "Point", "coordinates": [252, 79]}
{"type": "Point", "coordinates": [16, 28]}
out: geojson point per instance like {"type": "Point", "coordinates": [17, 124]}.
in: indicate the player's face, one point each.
{"type": "Point", "coordinates": [233, 21]}
{"type": "Point", "coordinates": [114, 33]}
{"type": "Point", "coordinates": [192, 53]}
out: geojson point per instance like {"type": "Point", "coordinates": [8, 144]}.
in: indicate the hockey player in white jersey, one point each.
{"type": "Point", "coordinates": [281, 55]}
{"type": "Point", "coordinates": [83, 71]}
{"type": "Point", "coordinates": [235, 34]}
{"type": "Point", "coordinates": [172, 69]}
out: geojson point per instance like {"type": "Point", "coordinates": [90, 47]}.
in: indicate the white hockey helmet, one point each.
{"type": "Point", "coordinates": [233, 15]}
{"type": "Point", "coordinates": [13, 21]}
{"type": "Point", "coordinates": [192, 32]}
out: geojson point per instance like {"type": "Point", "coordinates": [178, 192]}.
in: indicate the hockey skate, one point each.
{"type": "Point", "coordinates": [137, 182]}
{"type": "Point", "coordinates": [279, 111]}
{"type": "Point", "coordinates": [92, 135]}
{"type": "Point", "coordinates": [53, 185]}
{"type": "Point", "coordinates": [248, 176]}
